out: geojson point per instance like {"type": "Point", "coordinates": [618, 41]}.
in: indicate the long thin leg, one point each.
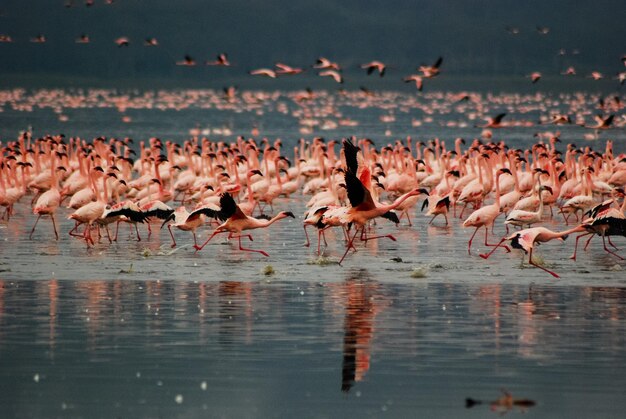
{"type": "Point", "coordinates": [573, 257]}
{"type": "Point", "coordinates": [308, 242]}
{"type": "Point", "coordinates": [33, 229]}
{"type": "Point", "coordinates": [486, 255]}
{"type": "Point", "coordinates": [198, 248]}
{"type": "Point", "coordinates": [54, 225]}
{"type": "Point", "coordinates": [250, 250]}
{"type": "Point", "coordinates": [106, 228]}
{"type": "Point", "coordinates": [71, 232]}
{"type": "Point", "coordinates": [169, 227]}
{"type": "Point", "coordinates": [530, 260]}
{"type": "Point", "coordinates": [350, 245]}
{"type": "Point", "coordinates": [588, 241]}
{"type": "Point", "coordinates": [469, 244]}
{"type": "Point", "coordinates": [610, 251]}
{"type": "Point", "coordinates": [389, 236]}
{"type": "Point", "coordinates": [611, 243]}
{"type": "Point", "coordinates": [137, 231]}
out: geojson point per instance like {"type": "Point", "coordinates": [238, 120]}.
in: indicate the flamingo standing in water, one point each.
{"type": "Point", "coordinates": [485, 216]}
{"type": "Point", "coordinates": [50, 200]}
{"type": "Point", "coordinates": [235, 221]}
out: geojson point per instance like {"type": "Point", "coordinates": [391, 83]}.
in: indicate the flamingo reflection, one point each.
{"type": "Point", "coordinates": [361, 308]}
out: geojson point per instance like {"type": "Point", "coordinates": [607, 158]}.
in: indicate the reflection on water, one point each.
{"type": "Point", "coordinates": [277, 348]}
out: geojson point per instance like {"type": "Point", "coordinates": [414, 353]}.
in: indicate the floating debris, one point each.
{"type": "Point", "coordinates": [420, 272]}
{"type": "Point", "coordinates": [268, 270]}
{"type": "Point", "coordinates": [127, 271]}
{"type": "Point", "coordinates": [503, 404]}
{"type": "Point", "coordinates": [396, 259]}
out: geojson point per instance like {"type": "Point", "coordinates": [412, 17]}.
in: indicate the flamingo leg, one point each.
{"type": "Point", "coordinates": [469, 244]}
{"type": "Point", "coordinates": [408, 217]}
{"type": "Point", "coordinates": [71, 232]}
{"type": "Point", "coordinates": [169, 227]}
{"type": "Point", "coordinates": [106, 228]}
{"type": "Point", "coordinates": [486, 256]}
{"type": "Point", "coordinates": [611, 243]}
{"type": "Point", "coordinates": [350, 245]}
{"type": "Point", "coordinates": [250, 250]}
{"type": "Point", "coordinates": [610, 251]}
{"type": "Point", "coordinates": [117, 230]}
{"type": "Point", "coordinates": [54, 225]}
{"type": "Point", "coordinates": [433, 219]}
{"type": "Point", "coordinates": [198, 248]}
{"type": "Point", "coordinates": [137, 231]}
{"type": "Point", "coordinates": [308, 242]}
{"type": "Point", "coordinates": [463, 210]}
{"type": "Point", "coordinates": [573, 257]}
{"type": "Point", "coordinates": [530, 260]}
{"type": "Point", "coordinates": [33, 229]}
{"type": "Point", "coordinates": [491, 245]}
{"type": "Point", "coordinates": [588, 241]}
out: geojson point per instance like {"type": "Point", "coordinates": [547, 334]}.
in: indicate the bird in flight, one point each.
{"type": "Point", "coordinates": [430, 71]}
{"type": "Point", "coordinates": [375, 66]}
{"type": "Point", "coordinates": [221, 60]}
{"type": "Point", "coordinates": [122, 41]}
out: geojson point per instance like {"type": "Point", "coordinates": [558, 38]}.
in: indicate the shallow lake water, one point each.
{"type": "Point", "coordinates": [406, 328]}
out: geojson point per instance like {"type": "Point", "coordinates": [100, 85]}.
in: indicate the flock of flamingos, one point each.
{"type": "Point", "coordinates": [351, 183]}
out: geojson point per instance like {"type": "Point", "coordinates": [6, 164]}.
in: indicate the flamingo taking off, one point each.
{"type": "Point", "coordinates": [235, 221]}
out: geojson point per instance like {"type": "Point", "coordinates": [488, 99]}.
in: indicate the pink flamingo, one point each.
{"type": "Point", "coordinates": [235, 221]}
{"type": "Point", "coordinates": [526, 239]}
{"type": "Point", "coordinates": [49, 201]}
{"type": "Point", "coordinates": [485, 216]}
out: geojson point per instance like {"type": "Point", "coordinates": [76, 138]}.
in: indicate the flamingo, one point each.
{"type": "Point", "coordinates": [332, 73]}
{"type": "Point", "coordinates": [49, 201]}
{"type": "Point", "coordinates": [605, 221]}
{"type": "Point", "coordinates": [364, 208]}
{"type": "Point", "coordinates": [430, 71]}
{"type": "Point", "coordinates": [91, 211]}
{"type": "Point", "coordinates": [265, 72]}
{"type": "Point", "coordinates": [485, 216]}
{"type": "Point", "coordinates": [520, 218]}
{"type": "Point", "coordinates": [526, 239]}
{"type": "Point", "coordinates": [221, 60]}
{"type": "Point", "coordinates": [235, 221]}
{"type": "Point", "coordinates": [375, 66]}
{"type": "Point", "coordinates": [187, 221]}
{"type": "Point", "coordinates": [439, 207]}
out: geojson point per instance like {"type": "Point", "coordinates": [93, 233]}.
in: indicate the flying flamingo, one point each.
{"type": "Point", "coordinates": [526, 239]}
{"type": "Point", "coordinates": [375, 66]}
{"type": "Point", "coordinates": [235, 221]}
